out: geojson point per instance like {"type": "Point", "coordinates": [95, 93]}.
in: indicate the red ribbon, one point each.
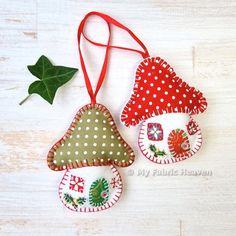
{"type": "Point", "coordinates": [109, 20]}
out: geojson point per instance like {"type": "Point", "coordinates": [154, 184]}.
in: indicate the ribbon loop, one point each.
{"type": "Point", "coordinates": [109, 20]}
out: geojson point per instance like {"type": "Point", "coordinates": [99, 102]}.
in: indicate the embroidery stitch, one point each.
{"type": "Point", "coordinates": [155, 132]}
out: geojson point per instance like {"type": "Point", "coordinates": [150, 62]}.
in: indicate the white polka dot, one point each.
{"type": "Point", "coordinates": [176, 109]}
{"type": "Point", "coordinates": [94, 144]}
{"type": "Point", "coordinates": [147, 91]}
{"type": "Point", "coordinates": [166, 92]}
{"type": "Point", "coordinates": [111, 152]}
{"type": "Point", "coordinates": [173, 97]}
{"type": "Point", "coordinates": [142, 70]}
{"type": "Point", "coordinates": [103, 144]}
{"type": "Point", "coordinates": [146, 110]}
{"type": "Point", "coordinates": [133, 102]}
{"type": "Point", "coordinates": [96, 120]}
{"type": "Point", "coordinates": [150, 103]}
{"type": "Point", "coordinates": [168, 105]}
{"type": "Point", "coordinates": [69, 144]}
{"type": "Point", "coordinates": [104, 121]}
{"type": "Point", "coordinates": [85, 152]}
{"type": "Point", "coordinates": [139, 106]}
{"type": "Point", "coordinates": [54, 161]}
{"type": "Point", "coordinates": [184, 95]}
{"type": "Point", "coordinates": [154, 95]}
{"type": "Point", "coordinates": [88, 120]}
{"type": "Point", "coordinates": [151, 84]}
{"type": "Point", "coordinates": [160, 71]}
{"type": "Point", "coordinates": [145, 81]}
{"type": "Point", "coordinates": [97, 113]}
{"type": "Point", "coordinates": [194, 95]}
{"type": "Point", "coordinates": [89, 112]}
{"type": "Point", "coordinates": [87, 128]}
{"type": "Point", "coordinates": [102, 152]}
{"type": "Point", "coordinates": [85, 144]}
{"type": "Point", "coordinates": [153, 67]}
{"type": "Point", "coordinates": [70, 160]}
{"type": "Point", "coordinates": [162, 100]}
{"type": "Point", "coordinates": [95, 136]}
{"type": "Point", "coordinates": [112, 137]}
{"type": "Point", "coordinates": [149, 74]}
{"type": "Point", "coordinates": [94, 152]}
{"type": "Point", "coordinates": [118, 153]}
{"type": "Point", "coordinates": [143, 98]}
{"type": "Point", "coordinates": [104, 136]}
{"type": "Point", "coordinates": [62, 161]}
{"type": "Point", "coordinates": [76, 153]}
{"type": "Point", "coordinates": [135, 113]}
{"type": "Point", "coordinates": [77, 136]}
{"type": "Point", "coordinates": [177, 90]}
{"type": "Point", "coordinates": [84, 160]}
{"type": "Point", "coordinates": [86, 136]}
{"type": "Point", "coordinates": [159, 88]}
{"type": "Point", "coordinates": [163, 81]}
{"type": "Point", "coordinates": [180, 102]}
{"type": "Point", "coordinates": [190, 101]}
{"type": "Point", "coordinates": [112, 144]}
{"type": "Point", "coordinates": [119, 145]}
{"type": "Point", "coordinates": [61, 153]}
{"type": "Point", "coordinates": [104, 128]}
{"type": "Point", "coordinates": [141, 88]}
{"type": "Point", "coordinates": [80, 121]}
{"type": "Point", "coordinates": [170, 86]}
{"type": "Point", "coordinates": [157, 107]}
{"type": "Point", "coordinates": [138, 95]}
{"type": "Point", "coordinates": [167, 76]}
{"type": "Point", "coordinates": [96, 128]}
{"type": "Point", "coordinates": [155, 77]}
{"type": "Point", "coordinates": [76, 144]}
{"type": "Point", "coordinates": [68, 153]}
{"type": "Point", "coordinates": [125, 153]}
{"type": "Point", "coordinates": [79, 128]}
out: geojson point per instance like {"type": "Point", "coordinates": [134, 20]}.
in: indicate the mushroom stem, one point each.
{"type": "Point", "coordinates": [24, 100]}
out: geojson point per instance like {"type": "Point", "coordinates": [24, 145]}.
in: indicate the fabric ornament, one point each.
{"type": "Point", "coordinates": [90, 152]}
{"type": "Point", "coordinates": [164, 104]}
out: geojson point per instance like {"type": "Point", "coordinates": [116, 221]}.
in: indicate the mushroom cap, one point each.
{"type": "Point", "coordinates": [158, 90]}
{"type": "Point", "coordinates": [91, 140]}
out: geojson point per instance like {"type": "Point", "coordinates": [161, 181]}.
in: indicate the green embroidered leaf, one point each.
{"type": "Point", "coordinates": [50, 78]}
{"type": "Point", "coordinates": [99, 192]}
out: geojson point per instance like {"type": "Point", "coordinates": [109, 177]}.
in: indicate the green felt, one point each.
{"type": "Point", "coordinates": [92, 138]}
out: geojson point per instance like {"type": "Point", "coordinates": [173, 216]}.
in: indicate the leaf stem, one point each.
{"type": "Point", "coordinates": [24, 100]}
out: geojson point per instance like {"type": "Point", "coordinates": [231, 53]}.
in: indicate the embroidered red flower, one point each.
{"type": "Point", "coordinates": [76, 184]}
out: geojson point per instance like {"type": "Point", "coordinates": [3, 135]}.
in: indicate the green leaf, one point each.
{"type": "Point", "coordinates": [50, 78]}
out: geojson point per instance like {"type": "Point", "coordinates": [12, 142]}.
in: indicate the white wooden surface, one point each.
{"type": "Point", "coordinates": [198, 38]}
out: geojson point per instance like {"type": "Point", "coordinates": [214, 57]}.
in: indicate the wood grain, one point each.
{"type": "Point", "coordinates": [197, 38]}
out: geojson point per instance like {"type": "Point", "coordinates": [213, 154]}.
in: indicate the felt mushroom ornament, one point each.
{"type": "Point", "coordinates": [88, 153]}
{"type": "Point", "coordinates": [165, 104]}
{"type": "Point", "coordinates": [91, 150]}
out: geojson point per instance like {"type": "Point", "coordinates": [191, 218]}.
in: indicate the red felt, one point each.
{"type": "Point", "coordinates": [157, 91]}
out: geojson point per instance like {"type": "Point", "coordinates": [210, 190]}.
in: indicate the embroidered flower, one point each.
{"type": "Point", "coordinates": [154, 132]}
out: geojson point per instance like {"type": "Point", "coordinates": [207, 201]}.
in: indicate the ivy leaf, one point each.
{"type": "Point", "coordinates": [50, 78]}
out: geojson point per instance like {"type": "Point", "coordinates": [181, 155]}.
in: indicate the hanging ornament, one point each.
{"type": "Point", "coordinates": [90, 151]}
{"type": "Point", "coordinates": [164, 104]}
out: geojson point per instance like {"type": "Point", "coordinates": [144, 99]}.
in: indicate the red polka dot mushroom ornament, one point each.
{"type": "Point", "coordinates": [165, 104]}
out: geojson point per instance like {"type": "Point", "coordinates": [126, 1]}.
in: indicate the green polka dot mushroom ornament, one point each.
{"type": "Point", "coordinates": [89, 153]}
